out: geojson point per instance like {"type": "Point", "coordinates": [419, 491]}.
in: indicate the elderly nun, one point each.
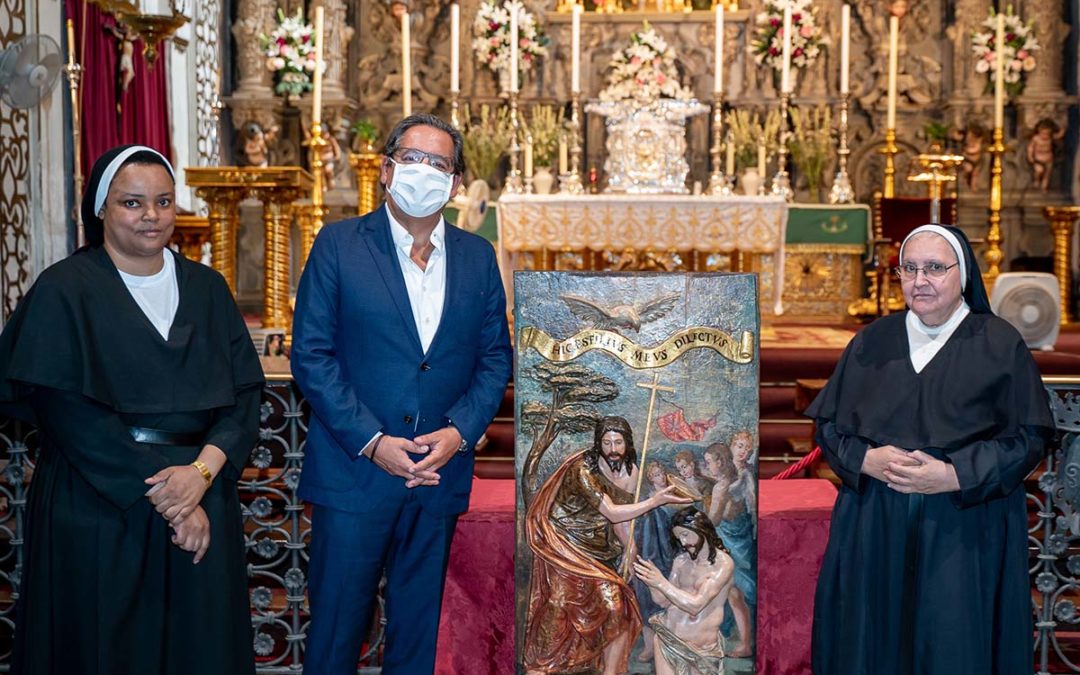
{"type": "Point", "coordinates": [932, 420]}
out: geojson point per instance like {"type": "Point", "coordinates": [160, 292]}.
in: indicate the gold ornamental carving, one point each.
{"type": "Point", "coordinates": [366, 166]}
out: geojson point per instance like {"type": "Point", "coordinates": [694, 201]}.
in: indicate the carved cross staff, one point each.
{"type": "Point", "coordinates": [653, 387]}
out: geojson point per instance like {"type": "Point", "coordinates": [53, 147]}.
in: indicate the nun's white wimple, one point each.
{"type": "Point", "coordinates": [953, 242]}
{"type": "Point", "coordinates": [114, 166]}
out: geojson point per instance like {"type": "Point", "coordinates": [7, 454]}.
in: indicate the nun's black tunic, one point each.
{"type": "Point", "coordinates": [104, 591]}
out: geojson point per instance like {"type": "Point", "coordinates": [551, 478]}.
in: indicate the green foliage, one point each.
{"type": "Point", "coordinates": [545, 127]}
{"type": "Point", "coordinates": [486, 139]}
{"type": "Point", "coordinates": [811, 143]}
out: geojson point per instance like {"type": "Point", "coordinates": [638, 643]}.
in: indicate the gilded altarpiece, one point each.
{"type": "Point", "coordinates": [636, 462]}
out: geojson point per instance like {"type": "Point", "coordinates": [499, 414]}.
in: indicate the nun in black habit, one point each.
{"type": "Point", "coordinates": [932, 420]}
{"type": "Point", "coordinates": [139, 371]}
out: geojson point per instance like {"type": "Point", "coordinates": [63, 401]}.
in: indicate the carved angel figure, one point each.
{"type": "Point", "coordinates": [974, 139]}
{"type": "Point", "coordinates": [620, 316]}
{"type": "Point", "coordinates": [1040, 151]}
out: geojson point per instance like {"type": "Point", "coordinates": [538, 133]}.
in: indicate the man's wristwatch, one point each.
{"type": "Point", "coordinates": [464, 447]}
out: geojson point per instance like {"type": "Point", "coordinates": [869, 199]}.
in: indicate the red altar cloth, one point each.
{"type": "Point", "coordinates": [476, 634]}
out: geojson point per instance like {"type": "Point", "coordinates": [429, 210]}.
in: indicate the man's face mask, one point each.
{"type": "Point", "coordinates": [418, 189]}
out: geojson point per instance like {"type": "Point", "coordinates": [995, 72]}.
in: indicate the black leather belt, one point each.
{"type": "Point", "coordinates": [161, 437]}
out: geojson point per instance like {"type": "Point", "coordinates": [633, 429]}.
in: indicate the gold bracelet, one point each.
{"type": "Point", "coordinates": [204, 470]}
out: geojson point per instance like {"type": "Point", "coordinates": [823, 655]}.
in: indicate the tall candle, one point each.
{"type": "Point", "coordinates": [729, 169]}
{"type": "Point", "coordinates": [455, 47]}
{"type": "Point", "coordinates": [999, 73]}
{"type": "Point", "coordinates": [845, 48]}
{"type": "Point", "coordinates": [513, 47]}
{"type": "Point", "coordinates": [718, 81]}
{"type": "Point", "coordinates": [761, 160]}
{"type": "Point", "coordinates": [894, 55]}
{"type": "Point", "coordinates": [406, 66]}
{"type": "Point", "coordinates": [785, 72]}
{"type": "Point", "coordinates": [316, 98]}
{"type": "Point", "coordinates": [575, 49]}
{"type": "Point", "coordinates": [528, 159]}
{"type": "Point", "coordinates": [563, 164]}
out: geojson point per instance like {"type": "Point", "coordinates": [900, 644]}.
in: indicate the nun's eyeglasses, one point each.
{"type": "Point", "coordinates": [931, 270]}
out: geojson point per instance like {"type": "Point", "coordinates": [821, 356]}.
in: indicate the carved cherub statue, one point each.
{"type": "Point", "coordinates": [1040, 151]}
{"type": "Point", "coordinates": [974, 138]}
{"type": "Point", "coordinates": [257, 144]}
{"type": "Point", "coordinates": [331, 155]}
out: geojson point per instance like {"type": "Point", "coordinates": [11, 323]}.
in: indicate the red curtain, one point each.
{"type": "Point", "coordinates": [143, 115]}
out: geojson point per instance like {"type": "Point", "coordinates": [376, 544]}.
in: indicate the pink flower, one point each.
{"type": "Point", "coordinates": [797, 52]}
{"type": "Point", "coordinates": [989, 56]}
{"type": "Point", "coordinates": [283, 50]}
{"type": "Point", "coordinates": [773, 51]}
{"type": "Point", "coordinates": [807, 32]}
{"type": "Point", "coordinates": [523, 42]}
{"type": "Point", "coordinates": [493, 25]}
{"type": "Point", "coordinates": [1022, 54]}
{"type": "Point", "coordinates": [796, 18]}
{"type": "Point", "coordinates": [774, 22]}
{"type": "Point", "coordinates": [636, 60]}
{"type": "Point", "coordinates": [495, 41]}
{"type": "Point", "coordinates": [656, 62]}
{"type": "Point", "coordinates": [660, 78]}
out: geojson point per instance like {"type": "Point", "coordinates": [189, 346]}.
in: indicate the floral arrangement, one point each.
{"type": "Point", "coordinates": [811, 144]}
{"type": "Point", "coordinates": [644, 70]}
{"type": "Point", "coordinates": [491, 37]}
{"type": "Point", "coordinates": [486, 139]}
{"type": "Point", "coordinates": [748, 131]}
{"type": "Point", "coordinates": [806, 39]}
{"type": "Point", "coordinates": [290, 53]}
{"type": "Point", "coordinates": [1020, 48]}
{"type": "Point", "coordinates": [545, 126]}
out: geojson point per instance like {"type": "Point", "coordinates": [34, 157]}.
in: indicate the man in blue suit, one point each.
{"type": "Point", "coordinates": [401, 347]}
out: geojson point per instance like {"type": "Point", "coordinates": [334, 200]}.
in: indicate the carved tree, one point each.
{"type": "Point", "coordinates": [574, 388]}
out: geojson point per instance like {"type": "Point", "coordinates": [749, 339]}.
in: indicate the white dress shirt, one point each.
{"type": "Point", "coordinates": [426, 287]}
{"type": "Point", "coordinates": [924, 342]}
{"type": "Point", "coordinates": [157, 295]}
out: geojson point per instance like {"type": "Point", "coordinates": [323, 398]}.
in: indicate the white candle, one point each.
{"type": "Point", "coordinates": [761, 159]}
{"type": "Point", "coordinates": [718, 81]}
{"type": "Point", "coordinates": [528, 159]}
{"type": "Point", "coordinates": [785, 72]}
{"type": "Point", "coordinates": [513, 47]}
{"type": "Point", "coordinates": [845, 48]}
{"type": "Point", "coordinates": [730, 163]}
{"type": "Point", "coordinates": [455, 47]}
{"type": "Point", "coordinates": [562, 157]}
{"type": "Point", "coordinates": [575, 49]}
{"type": "Point", "coordinates": [894, 55]}
{"type": "Point", "coordinates": [316, 99]}
{"type": "Point", "coordinates": [999, 73]}
{"type": "Point", "coordinates": [406, 67]}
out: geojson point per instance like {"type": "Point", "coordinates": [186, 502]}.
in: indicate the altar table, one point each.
{"type": "Point", "coordinates": [640, 232]}
{"type": "Point", "coordinates": [476, 634]}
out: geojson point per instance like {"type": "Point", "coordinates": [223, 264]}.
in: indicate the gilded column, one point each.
{"type": "Point", "coordinates": [1062, 220]}
{"type": "Point", "coordinates": [366, 166]}
{"type": "Point", "coordinates": [277, 219]}
{"type": "Point", "coordinates": [224, 218]}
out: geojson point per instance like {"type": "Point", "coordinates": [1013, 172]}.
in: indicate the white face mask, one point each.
{"type": "Point", "coordinates": [418, 189]}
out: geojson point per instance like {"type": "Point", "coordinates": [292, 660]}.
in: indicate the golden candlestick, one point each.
{"type": "Point", "coordinates": [73, 71]}
{"type": "Point", "coordinates": [994, 254]}
{"type": "Point", "coordinates": [1062, 219]}
{"type": "Point", "coordinates": [513, 179]}
{"type": "Point", "coordinates": [455, 115]}
{"type": "Point", "coordinates": [366, 164]}
{"type": "Point", "coordinates": [718, 182]}
{"type": "Point", "coordinates": [841, 191]}
{"type": "Point", "coordinates": [890, 151]}
{"type": "Point", "coordinates": [571, 183]}
{"type": "Point", "coordinates": [310, 227]}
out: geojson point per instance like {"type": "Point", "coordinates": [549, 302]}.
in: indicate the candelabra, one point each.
{"type": "Point", "coordinates": [994, 254]}
{"type": "Point", "coordinates": [890, 151]}
{"type": "Point", "coordinates": [781, 186]}
{"type": "Point", "coordinates": [842, 192]}
{"type": "Point", "coordinates": [718, 183]}
{"type": "Point", "coordinates": [313, 224]}
{"type": "Point", "coordinates": [455, 118]}
{"type": "Point", "coordinates": [73, 71]}
{"type": "Point", "coordinates": [513, 179]}
{"type": "Point", "coordinates": [572, 183]}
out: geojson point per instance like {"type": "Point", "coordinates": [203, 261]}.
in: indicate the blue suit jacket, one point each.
{"type": "Point", "coordinates": [357, 358]}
